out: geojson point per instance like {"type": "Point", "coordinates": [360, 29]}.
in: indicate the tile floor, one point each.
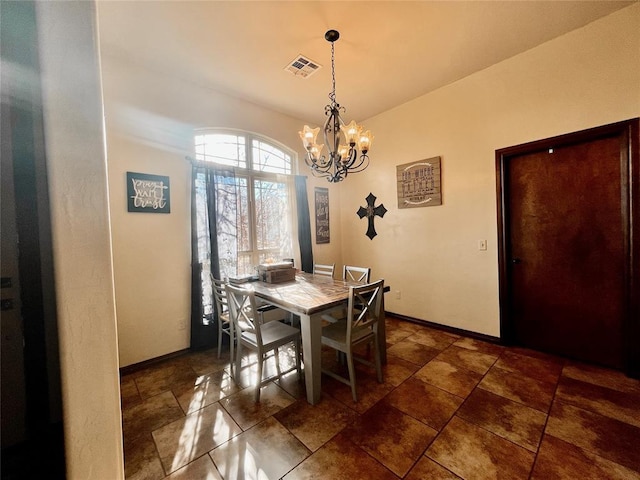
{"type": "Point", "coordinates": [450, 407]}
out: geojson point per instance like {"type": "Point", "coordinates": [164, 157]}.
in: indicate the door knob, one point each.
{"type": "Point", "coordinates": [516, 260]}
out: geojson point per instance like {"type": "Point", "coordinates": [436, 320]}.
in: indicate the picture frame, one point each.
{"type": "Point", "coordinates": [148, 193]}
{"type": "Point", "coordinates": [419, 183]}
{"type": "Point", "coordinates": [323, 234]}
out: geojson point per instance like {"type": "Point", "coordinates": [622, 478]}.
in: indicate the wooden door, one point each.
{"type": "Point", "coordinates": [566, 276]}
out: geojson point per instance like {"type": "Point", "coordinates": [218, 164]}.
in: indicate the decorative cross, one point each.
{"type": "Point", "coordinates": [370, 212]}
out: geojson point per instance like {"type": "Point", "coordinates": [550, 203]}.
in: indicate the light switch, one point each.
{"type": "Point", "coordinates": [482, 244]}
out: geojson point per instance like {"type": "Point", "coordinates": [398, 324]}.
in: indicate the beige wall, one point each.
{"type": "Point", "coordinates": [150, 119]}
{"type": "Point", "coordinates": [586, 78]}
{"type": "Point", "coordinates": [76, 167]}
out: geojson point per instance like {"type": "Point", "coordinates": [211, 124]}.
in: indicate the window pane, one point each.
{"type": "Point", "coordinates": [224, 149]}
{"type": "Point", "coordinates": [267, 158]}
{"type": "Point", "coordinates": [232, 222]}
{"type": "Point", "coordinates": [272, 214]}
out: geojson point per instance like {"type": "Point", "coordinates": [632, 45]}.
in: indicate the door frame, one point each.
{"type": "Point", "coordinates": [630, 192]}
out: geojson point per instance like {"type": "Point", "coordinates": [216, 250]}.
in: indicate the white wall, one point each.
{"type": "Point", "coordinates": [586, 78]}
{"type": "Point", "coordinates": [76, 167]}
{"type": "Point", "coordinates": [150, 119]}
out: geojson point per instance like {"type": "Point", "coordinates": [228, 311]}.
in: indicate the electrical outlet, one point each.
{"type": "Point", "coordinates": [398, 295]}
{"type": "Point", "coordinates": [482, 244]}
{"type": "Point", "coordinates": [182, 325]}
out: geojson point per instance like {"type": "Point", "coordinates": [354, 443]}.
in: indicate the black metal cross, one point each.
{"type": "Point", "coordinates": [370, 212]}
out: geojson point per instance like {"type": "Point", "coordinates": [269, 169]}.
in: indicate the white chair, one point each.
{"type": "Point", "coordinates": [360, 327]}
{"type": "Point", "coordinates": [222, 307]}
{"type": "Point", "coordinates": [356, 274]}
{"type": "Point", "coordinates": [327, 270]}
{"type": "Point", "coordinates": [261, 337]}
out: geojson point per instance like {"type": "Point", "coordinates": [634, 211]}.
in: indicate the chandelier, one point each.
{"type": "Point", "coordinates": [342, 158]}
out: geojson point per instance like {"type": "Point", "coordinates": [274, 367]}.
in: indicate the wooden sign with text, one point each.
{"type": "Point", "coordinates": [322, 215]}
{"type": "Point", "coordinates": [419, 183]}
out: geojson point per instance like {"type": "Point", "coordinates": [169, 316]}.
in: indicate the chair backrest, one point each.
{"type": "Point", "coordinates": [356, 274]}
{"type": "Point", "coordinates": [327, 270]}
{"type": "Point", "coordinates": [243, 312]}
{"type": "Point", "coordinates": [365, 306]}
{"type": "Point", "coordinates": [219, 296]}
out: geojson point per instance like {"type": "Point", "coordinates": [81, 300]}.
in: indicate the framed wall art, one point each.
{"type": "Point", "coordinates": [322, 215]}
{"type": "Point", "coordinates": [148, 193]}
{"type": "Point", "coordinates": [419, 183]}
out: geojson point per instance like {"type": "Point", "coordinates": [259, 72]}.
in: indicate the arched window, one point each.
{"type": "Point", "coordinates": [254, 199]}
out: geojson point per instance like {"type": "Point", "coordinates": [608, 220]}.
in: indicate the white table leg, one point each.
{"type": "Point", "coordinates": [311, 329]}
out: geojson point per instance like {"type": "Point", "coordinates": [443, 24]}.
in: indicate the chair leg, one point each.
{"type": "Point", "coordinates": [378, 359]}
{"type": "Point", "coordinates": [232, 341]}
{"type": "Point", "coordinates": [256, 396]}
{"type": "Point", "coordinates": [277, 358]}
{"type": "Point", "coordinates": [298, 362]}
{"type": "Point", "coordinates": [352, 375]}
{"type": "Point", "coordinates": [238, 362]}
{"type": "Point", "coordinates": [219, 336]}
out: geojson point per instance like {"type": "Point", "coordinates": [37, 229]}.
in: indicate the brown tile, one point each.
{"type": "Point", "coordinates": [449, 377]}
{"type": "Point", "coordinates": [542, 369]}
{"type": "Point", "coordinates": [469, 359]}
{"type": "Point", "coordinates": [412, 352]}
{"type": "Point", "coordinates": [428, 469]}
{"type": "Point", "coordinates": [141, 460]}
{"type": "Point", "coordinates": [247, 413]}
{"type": "Point", "coordinates": [141, 419]}
{"type": "Point", "coordinates": [559, 460]}
{"type": "Point", "coordinates": [605, 401]}
{"type": "Point", "coordinates": [473, 452]}
{"type": "Point", "coordinates": [208, 362]}
{"type": "Point", "coordinates": [604, 436]}
{"type": "Point", "coordinates": [479, 346]}
{"type": "Point", "coordinates": [394, 335]}
{"type": "Point", "coordinates": [397, 370]}
{"type": "Point", "coordinates": [129, 392]}
{"type": "Point", "coordinates": [205, 390]}
{"type": "Point", "coordinates": [513, 421]}
{"type": "Point", "coordinates": [186, 439]}
{"type": "Point", "coordinates": [314, 425]}
{"type": "Point", "coordinates": [393, 323]}
{"type": "Point", "coordinates": [528, 391]}
{"type": "Point", "coordinates": [602, 376]}
{"type": "Point", "coordinates": [200, 469]}
{"type": "Point", "coordinates": [393, 438]}
{"type": "Point", "coordinates": [368, 389]}
{"type": "Point", "coordinates": [293, 385]}
{"type": "Point", "coordinates": [424, 402]}
{"type": "Point", "coordinates": [265, 451]}
{"type": "Point", "coordinates": [433, 338]}
{"type": "Point", "coordinates": [160, 379]}
{"type": "Point", "coordinates": [340, 459]}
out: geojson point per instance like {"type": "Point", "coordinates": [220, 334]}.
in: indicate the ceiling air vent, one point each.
{"type": "Point", "coordinates": [302, 67]}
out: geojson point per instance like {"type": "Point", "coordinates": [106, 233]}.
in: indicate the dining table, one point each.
{"type": "Point", "coordinates": [310, 297]}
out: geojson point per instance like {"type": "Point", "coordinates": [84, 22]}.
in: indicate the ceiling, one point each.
{"type": "Point", "coordinates": [388, 52]}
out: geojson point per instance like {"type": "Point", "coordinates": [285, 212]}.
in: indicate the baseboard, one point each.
{"type": "Point", "coordinates": [446, 328]}
{"type": "Point", "coordinates": [136, 367]}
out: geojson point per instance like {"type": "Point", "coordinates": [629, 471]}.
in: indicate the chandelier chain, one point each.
{"type": "Point", "coordinates": [332, 95]}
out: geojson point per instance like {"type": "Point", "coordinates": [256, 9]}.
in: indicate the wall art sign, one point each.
{"type": "Point", "coordinates": [419, 183]}
{"type": "Point", "coordinates": [322, 215]}
{"type": "Point", "coordinates": [148, 193]}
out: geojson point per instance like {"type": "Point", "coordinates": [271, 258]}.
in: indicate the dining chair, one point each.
{"type": "Point", "coordinates": [261, 337]}
{"type": "Point", "coordinates": [327, 270]}
{"type": "Point", "coordinates": [360, 327]}
{"type": "Point", "coordinates": [356, 274]}
{"type": "Point", "coordinates": [225, 326]}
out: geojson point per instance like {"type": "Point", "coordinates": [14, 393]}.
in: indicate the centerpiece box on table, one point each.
{"type": "Point", "coordinates": [276, 272]}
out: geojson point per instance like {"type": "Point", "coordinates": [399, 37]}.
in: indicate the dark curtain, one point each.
{"type": "Point", "coordinates": [304, 224]}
